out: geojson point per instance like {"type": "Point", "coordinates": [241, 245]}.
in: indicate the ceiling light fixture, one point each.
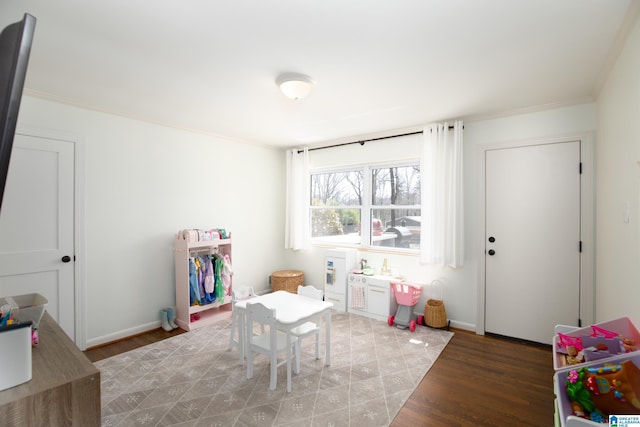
{"type": "Point", "coordinates": [295, 86]}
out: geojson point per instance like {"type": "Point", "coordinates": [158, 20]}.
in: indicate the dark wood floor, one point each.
{"type": "Point", "coordinates": [484, 381]}
{"type": "Point", "coordinates": [102, 352]}
{"type": "Point", "coordinates": [476, 381]}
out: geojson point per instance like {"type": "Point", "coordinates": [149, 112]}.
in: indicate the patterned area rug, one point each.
{"type": "Point", "coordinates": [192, 379]}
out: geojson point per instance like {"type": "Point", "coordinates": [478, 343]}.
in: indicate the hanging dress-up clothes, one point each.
{"type": "Point", "coordinates": [226, 274]}
{"type": "Point", "coordinates": [209, 281]}
{"type": "Point", "coordinates": [200, 274]}
{"type": "Point", "coordinates": [194, 294]}
{"type": "Point", "coordinates": [219, 265]}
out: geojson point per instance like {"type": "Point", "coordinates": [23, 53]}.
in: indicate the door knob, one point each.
{"type": "Point", "coordinates": [492, 252]}
{"type": "Point", "coordinates": [492, 239]}
{"type": "Point", "coordinates": [66, 258]}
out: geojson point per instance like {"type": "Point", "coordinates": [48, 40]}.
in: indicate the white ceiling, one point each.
{"type": "Point", "coordinates": [380, 65]}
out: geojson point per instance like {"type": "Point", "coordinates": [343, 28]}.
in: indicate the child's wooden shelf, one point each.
{"type": "Point", "coordinates": [189, 317]}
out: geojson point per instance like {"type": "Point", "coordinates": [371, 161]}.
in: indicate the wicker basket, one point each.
{"type": "Point", "coordinates": [435, 315]}
{"type": "Point", "coordinates": [287, 280]}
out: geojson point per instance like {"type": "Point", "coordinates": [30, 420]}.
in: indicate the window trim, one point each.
{"type": "Point", "coordinates": [366, 207]}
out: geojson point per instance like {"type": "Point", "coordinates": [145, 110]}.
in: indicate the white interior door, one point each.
{"type": "Point", "coordinates": [37, 226]}
{"type": "Point", "coordinates": [532, 238]}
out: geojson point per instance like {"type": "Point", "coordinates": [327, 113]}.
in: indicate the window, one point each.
{"type": "Point", "coordinates": [367, 206]}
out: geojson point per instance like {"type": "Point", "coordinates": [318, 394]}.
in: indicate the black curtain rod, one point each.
{"type": "Point", "coordinates": [361, 142]}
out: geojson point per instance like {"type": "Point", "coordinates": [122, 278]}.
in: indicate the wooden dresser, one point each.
{"type": "Point", "coordinates": [64, 389]}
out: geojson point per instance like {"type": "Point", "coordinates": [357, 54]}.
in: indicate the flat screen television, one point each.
{"type": "Point", "coordinates": [15, 47]}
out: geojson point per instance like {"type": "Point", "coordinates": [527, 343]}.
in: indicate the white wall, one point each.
{"type": "Point", "coordinates": [461, 284]}
{"type": "Point", "coordinates": [618, 179]}
{"type": "Point", "coordinates": [145, 182]}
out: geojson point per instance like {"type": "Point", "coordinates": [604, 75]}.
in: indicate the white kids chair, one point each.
{"type": "Point", "coordinates": [240, 294]}
{"type": "Point", "coordinates": [309, 328]}
{"type": "Point", "coordinates": [271, 342]}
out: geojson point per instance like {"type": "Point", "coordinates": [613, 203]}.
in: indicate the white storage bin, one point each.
{"type": "Point", "coordinates": [624, 326]}
{"type": "Point", "coordinates": [15, 357]}
{"type": "Point", "coordinates": [31, 307]}
{"type": "Point", "coordinates": [565, 412]}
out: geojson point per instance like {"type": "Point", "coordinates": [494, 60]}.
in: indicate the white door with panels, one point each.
{"type": "Point", "coordinates": [532, 239]}
{"type": "Point", "coordinates": [37, 225]}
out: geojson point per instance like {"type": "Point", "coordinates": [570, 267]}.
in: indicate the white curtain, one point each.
{"type": "Point", "coordinates": [442, 227]}
{"type": "Point", "coordinates": [297, 208]}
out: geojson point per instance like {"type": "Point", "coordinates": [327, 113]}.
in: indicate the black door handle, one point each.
{"type": "Point", "coordinates": [66, 258]}
{"type": "Point", "coordinates": [492, 239]}
{"type": "Point", "coordinates": [492, 252]}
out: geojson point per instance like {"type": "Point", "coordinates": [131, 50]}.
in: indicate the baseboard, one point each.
{"type": "Point", "coordinates": [463, 325]}
{"type": "Point", "coordinates": [126, 333]}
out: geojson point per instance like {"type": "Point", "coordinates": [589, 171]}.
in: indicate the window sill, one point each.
{"type": "Point", "coordinates": [371, 249]}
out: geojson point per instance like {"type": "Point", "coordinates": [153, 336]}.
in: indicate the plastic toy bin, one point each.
{"type": "Point", "coordinates": [623, 326]}
{"type": "Point", "coordinates": [15, 357]}
{"type": "Point", "coordinates": [564, 410]}
{"type": "Point", "coordinates": [406, 293]}
{"type": "Point", "coordinates": [30, 307]}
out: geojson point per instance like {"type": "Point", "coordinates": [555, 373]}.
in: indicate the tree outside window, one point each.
{"type": "Point", "coordinates": [367, 206]}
